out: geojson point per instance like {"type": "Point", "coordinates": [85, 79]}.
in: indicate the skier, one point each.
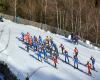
{"type": "Point", "coordinates": [37, 43]}
{"type": "Point", "coordinates": [89, 68]}
{"type": "Point", "coordinates": [45, 54]}
{"type": "Point", "coordinates": [75, 61]}
{"type": "Point", "coordinates": [48, 48]}
{"type": "Point", "coordinates": [66, 56]}
{"type": "Point", "coordinates": [39, 55]}
{"type": "Point", "coordinates": [75, 52]}
{"type": "Point", "coordinates": [55, 48]}
{"type": "Point", "coordinates": [44, 42]}
{"type": "Point", "coordinates": [62, 48]}
{"type": "Point", "coordinates": [26, 38]}
{"type": "Point", "coordinates": [43, 50]}
{"type": "Point", "coordinates": [42, 47]}
{"type": "Point", "coordinates": [34, 46]}
{"type": "Point", "coordinates": [30, 42]}
{"type": "Point", "coordinates": [1, 19]}
{"type": "Point", "coordinates": [51, 41]}
{"type": "Point", "coordinates": [40, 39]}
{"type": "Point", "coordinates": [76, 39]}
{"type": "Point", "coordinates": [72, 36]}
{"type": "Point", "coordinates": [21, 37]}
{"type": "Point", "coordinates": [93, 62]}
{"type": "Point", "coordinates": [34, 38]}
{"type": "Point", "coordinates": [47, 40]}
{"type": "Point", "coordinates": [50, 51]}
{"type": "Point", "coordinates": [27, 46]}
{"type": "Point", "coordinates": [55, 58]}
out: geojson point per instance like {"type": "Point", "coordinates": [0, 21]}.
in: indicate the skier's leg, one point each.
{"type": "Point", "coordinates": [89, 73]}
{"type": "Point", "coordinates": [27, 48]}
{"type": "Point", "coordinates": [62, 51]}
{"type": "Point", "coordinates": [77, 65]}
{"type": "Point", "coordinates": [36, 48]}
{"type": "Point", "coordinates": [93, 67]}
{"type": "Point", "coordinates": [76, 54]}
{"type": "Point", "coordinates": [55, 65]}
{"type": "Point", "coordinates": [65, 58]}
{"type": "Point", "coordinates": [44, 55]}
{"type": "Point", "coordinates": [38, 56]}
{"type": "Point", "coordinates": [22, 39]}
{"type": "Point", "coordinates": [41, 58]}
{"type": "Point", "coordinates": [74, 64]}
{"type": "Point", "coordinates": [50, 52]}
{"type": "Point", "coordinates": [77, 42]}
{"type": "Point", "coordinates": [68, 59]}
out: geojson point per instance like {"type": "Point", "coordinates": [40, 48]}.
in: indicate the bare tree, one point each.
{"type": "Point", "coordinates": [72, 16]}
{"type": "Point", "coordinates": [15, 8]}
{"type": "Point", "coordinates": [45, 10]}
{"type": "Point", "coordinates": [57, 11]}
{"type": "Point", "coordinates": [97, 26]}
{"type": "Point", "coordinates": [80, 18]}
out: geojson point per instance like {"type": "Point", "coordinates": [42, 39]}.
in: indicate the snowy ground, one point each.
{"type": "Point", "coordinates": [22, 63]}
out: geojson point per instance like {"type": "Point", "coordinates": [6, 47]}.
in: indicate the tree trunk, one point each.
{"type": "Point", "coordinates": [72, 16]}
{"type": "Point", "coordinates": [45, 11]}
{"type": "Point", "coordinates": [15, 9]}
{"type": "Point", "coordinates": [80, 31]}
{"type": "Point", "coordinates": [57, 14]}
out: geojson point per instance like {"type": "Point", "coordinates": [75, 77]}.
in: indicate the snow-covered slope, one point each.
{"type": "Point", "coordinates": [23, 63]}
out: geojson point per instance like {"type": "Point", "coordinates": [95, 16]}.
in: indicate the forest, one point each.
{"type": "Point", "coordinates": [79, 16]}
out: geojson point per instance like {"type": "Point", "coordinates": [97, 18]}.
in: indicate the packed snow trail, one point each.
{"type": "Point", "coordinates": [23, 63]}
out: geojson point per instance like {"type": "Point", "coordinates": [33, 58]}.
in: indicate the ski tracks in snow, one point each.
{"type": "Point", "coordinates": [9, 34]}
{"type": "Point", "coordinates": [36, 70]}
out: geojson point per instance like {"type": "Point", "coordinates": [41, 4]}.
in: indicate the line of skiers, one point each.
{"type": "Point", "coordinates": [75, 57]}
{"type": "Point", "coordinates": [90, 64]}
{"type": "Point", "coordinates": [48, 46]}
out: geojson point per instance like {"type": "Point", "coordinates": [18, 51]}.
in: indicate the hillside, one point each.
{"type": "Point", "coordinates": [24, 64]}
